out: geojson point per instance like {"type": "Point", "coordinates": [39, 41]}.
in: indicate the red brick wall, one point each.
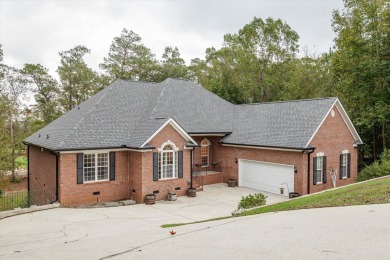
{"type": "Point", "coordinates": [165, 186]}
{"type": "Point", "coordinates": [230, 167]}
{"type": "Point", "coordinates": [42, 166]}
{"type": "Point", "coordinates": [213, 146]}
{"type": "Point", "coordinates": [331, 139]}
{"type": "Point", "coordinates": [72, 194]}
{"type": "Point", "coordinates": [135, 179]}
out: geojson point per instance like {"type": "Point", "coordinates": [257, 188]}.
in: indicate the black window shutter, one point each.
{"type": "Point", "coordinates": [324, 169]}
{"type": "Point", "coordinates": [314, 170]}
{"type": "Point", "coordinates": [155, 166]}
{"type": "Point", "coordinates": [180, 164]}
{"type": "Point", "coordinates": [349, 165]}
{"type": "Point", "coordinates": [112, 166]}
{"type": "Point", "coordinates": [341, 167]}
{"type": "Point", "coordinates": [80, 158]}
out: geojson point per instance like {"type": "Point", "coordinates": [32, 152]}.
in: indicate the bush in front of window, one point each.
{"type": "Point", "coordinates": [252, 201]}
{"type": "Point", "coordinates": [377, 169]}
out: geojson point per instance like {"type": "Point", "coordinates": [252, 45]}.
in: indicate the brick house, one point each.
{"type": "Point", "coordinates": [135, 138]}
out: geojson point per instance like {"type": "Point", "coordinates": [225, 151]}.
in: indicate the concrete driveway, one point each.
{"type": "Point", "coordinates": [92, 233]}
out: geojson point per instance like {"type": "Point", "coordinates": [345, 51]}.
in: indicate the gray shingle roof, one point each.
{"type": "Point", "coordinates": [288, 124]}
{"type": "Point", "coordinates": [128, 113]}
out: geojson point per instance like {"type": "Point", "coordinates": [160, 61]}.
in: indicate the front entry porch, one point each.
{"type": "Point", "coordinates": [206, 175]}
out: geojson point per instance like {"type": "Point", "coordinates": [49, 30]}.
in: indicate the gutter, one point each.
{"type": "Point", "coordinates": [310, 150]}
{"type": "Point", "coordinates": [57, 179]}
{"type": "Point", "coordinates": [267, 146]}
{"type": "Point", "coordinates": [93, 148]}
{"type": "Point", "coordinates": [192, 150]}
{"type": "Point", "coordinates": [28, 175]}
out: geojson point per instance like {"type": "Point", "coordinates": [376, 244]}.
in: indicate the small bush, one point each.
{"type": "Point", "coordinates": [21, 162]}
{"type": "Point", "coordinates": [15, 179]}
{"type": "Point", "coordinates": [252, 201]}
{"type": "Point", "coordinates": [385, 155]}
{"type": "Point", "coordinates": [374, 170]}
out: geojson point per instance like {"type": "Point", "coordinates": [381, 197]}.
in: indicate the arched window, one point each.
{"type": "Point", "coordinates": [204, 152]}
{"type": "Point", "coordinates": [167, 161]}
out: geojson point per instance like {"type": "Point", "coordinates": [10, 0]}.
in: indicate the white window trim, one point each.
{"type": "Point", "coordinates": [344, 157]}
{"type": "Point", "coordinates": [321, 169]}
{"type": "Point", "coordinates": [208, 151]}
{"type": "Point", "coordinates": [160, 155]}
{"type": "Point", "coordinates": [96, 166]}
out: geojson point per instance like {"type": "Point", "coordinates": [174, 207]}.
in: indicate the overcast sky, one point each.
{"type": "Point", "coordinates": [34, 31]}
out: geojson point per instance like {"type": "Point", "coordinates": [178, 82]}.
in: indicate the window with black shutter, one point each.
{"type": "Point", "coordinates": [319, 170]}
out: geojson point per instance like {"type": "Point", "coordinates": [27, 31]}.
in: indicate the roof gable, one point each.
{"type": "Point", "coordinates": [346, 120]}
{"type": "Point", "coordinates": [175, 126]}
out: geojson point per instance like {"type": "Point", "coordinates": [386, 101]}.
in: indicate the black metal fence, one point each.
{"type": "Point", "coordinates": [24, 199]}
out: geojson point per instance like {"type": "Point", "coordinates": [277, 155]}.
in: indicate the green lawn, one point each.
{"type": "Point", "coordinates": [21, 162]}
{"type": "Point", "coordinates": [371, 192]}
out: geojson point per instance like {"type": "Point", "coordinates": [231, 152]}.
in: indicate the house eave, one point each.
{"type": "Point", "coordinates": [209, 133]}
{"type": "Point", "coordinates": [83, 149]}
{"type": "Point", "coordinates": [266, 147]}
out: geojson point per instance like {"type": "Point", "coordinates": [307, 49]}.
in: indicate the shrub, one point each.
{"type": "Point", "coordinates": [375, 170]}
{"type": "Point", "coordinates": [385, 155]}
{"type": "Point", "coordinates": [15, 179]}
{"type": "Point", "coordinates": [252, 201]}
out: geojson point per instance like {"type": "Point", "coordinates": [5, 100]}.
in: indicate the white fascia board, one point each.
{"type": "Point", "coordinates": [176, 126]}
{"type": "Point", "coordinates": [348, 121]}
{"type": "Point", "coordinates": [206, 134]}
{"type": "Point", "coordinates": [105, 150]}
{"type": "Point", "coordinates": [345, 118]}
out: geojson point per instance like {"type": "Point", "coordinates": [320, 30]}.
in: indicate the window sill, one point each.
{"type": "Point", "coordinates": [168, 179]}
{"type": "Point", "coordinates": [319, 183]}
{"type": "Point", "coordinates": [96, 182]}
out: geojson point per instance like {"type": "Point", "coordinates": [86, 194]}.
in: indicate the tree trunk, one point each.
{"type": "Point", "coordinates": [384, 141]}
{"type": "Point", "coordinates": [373, 143]}
{"type": "Point", "coordinates": [11, 131]}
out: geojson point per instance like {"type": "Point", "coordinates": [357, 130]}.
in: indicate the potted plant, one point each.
{"type": "Point", "coordinates": [191, 192]}
{"type": "Point", "coordinates": [232, 183]}
{"type": "Point", "coordinates": [150, 199]}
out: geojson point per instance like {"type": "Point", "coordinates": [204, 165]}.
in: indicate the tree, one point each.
{"type": "Point", "coordinates": [13, 89]}
{"type": "Point", "coordinates": [253, 65]}
{"type": "Point", "coordinates": [46, 89]}
{"type": "Point", "coordinates": [361, 67]}
{"type": "Point", "coordinates": [171, 65]}
{"type": "Point", "coordinates": [128, 58]}
{"type": "Point", "coordinates": [273, 43]}
{"type": "Point", "coordinates": [77, 79]}
{"type": "Point", "coordinates": [227, 72]}
{"type": "Point", "coordinates": [5, 148]}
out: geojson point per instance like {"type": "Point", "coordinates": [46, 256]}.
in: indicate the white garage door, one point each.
{"type": "Point", "coordinates": [266, 176]}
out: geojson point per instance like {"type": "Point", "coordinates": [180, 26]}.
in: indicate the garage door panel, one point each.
{"type": "Point", "coordinates": [266, 176]}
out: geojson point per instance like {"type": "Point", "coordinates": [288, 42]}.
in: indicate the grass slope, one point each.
{"type": "Point", "coordinates": [371, 192]}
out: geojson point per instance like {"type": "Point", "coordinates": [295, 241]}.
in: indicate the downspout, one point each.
{"type": "Point", "coordinates": [192, 150]}
{"type": "Point", "coordinates": [28, 175]}
{"type": "Point", "coordinates": [57, 175]}
{"type": "Point", "coordinates": [308, 170]}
